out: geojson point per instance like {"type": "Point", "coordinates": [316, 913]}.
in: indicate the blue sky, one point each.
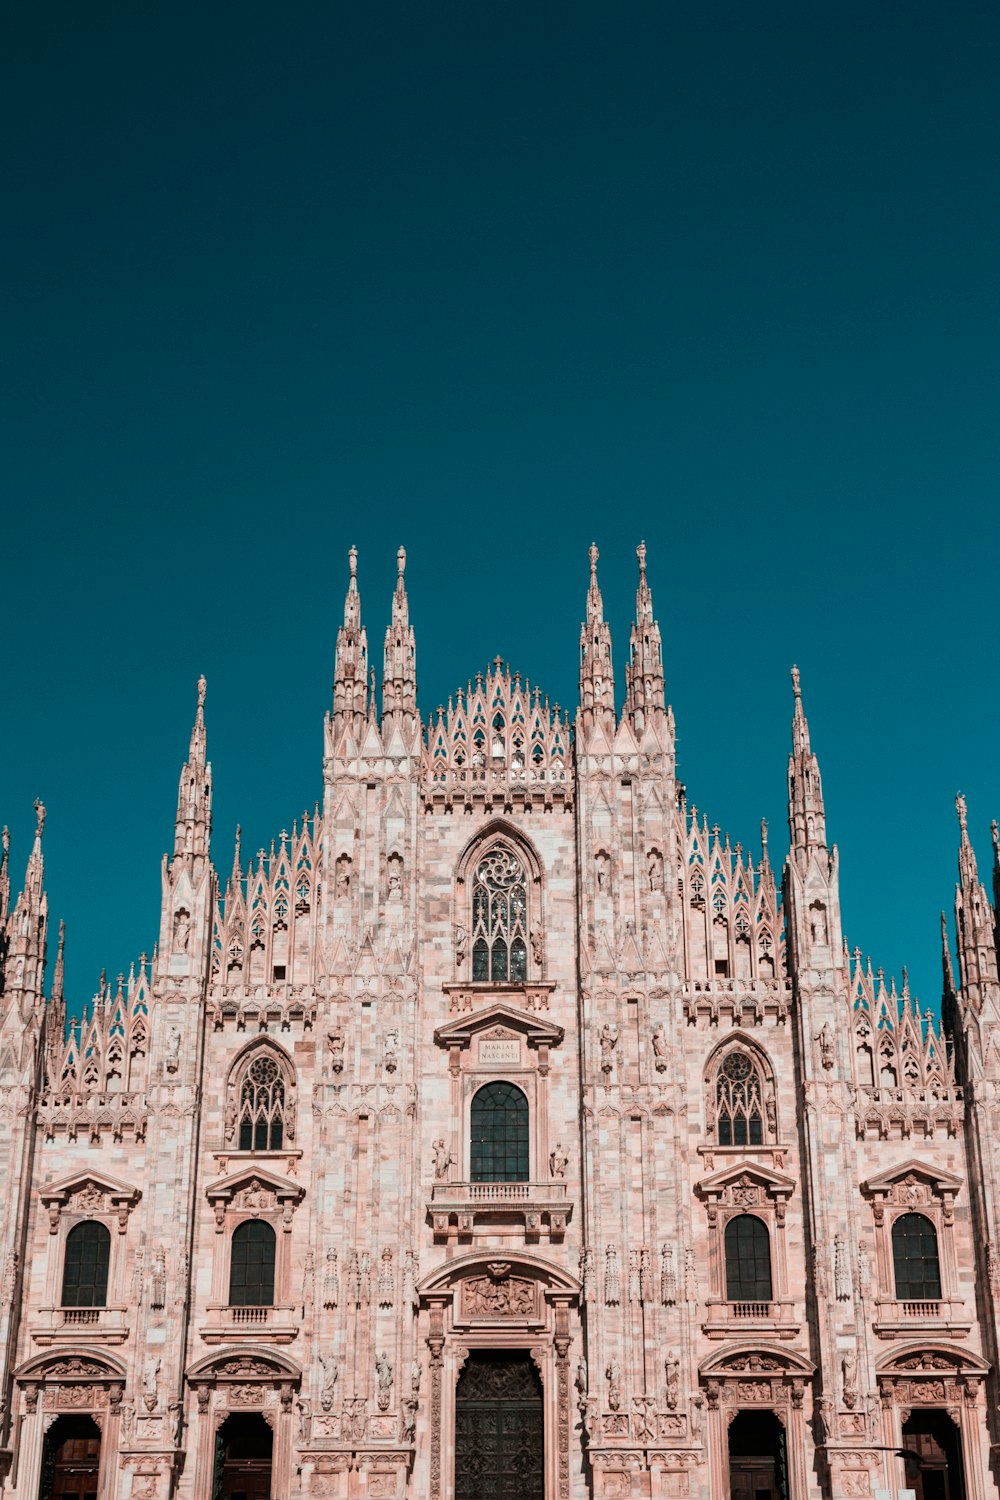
{"type": "Point", "coordinates": [495, 281]}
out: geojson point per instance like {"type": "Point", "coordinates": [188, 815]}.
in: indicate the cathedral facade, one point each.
{"type": "Point", "coordinates": [502, 1131]}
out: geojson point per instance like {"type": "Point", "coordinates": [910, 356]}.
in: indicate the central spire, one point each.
{"type": "Point", "coordinates": [399, 676]}
{"type": "Point", "coordinates": [806, 811]}
{"type": "Point", "coordinates": [597, 678]}
{"type": "Point", "coordinates": [644, 693]}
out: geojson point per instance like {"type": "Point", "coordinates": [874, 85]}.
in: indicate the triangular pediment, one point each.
{"type": "Point", "coordinates": [86, 1178]}
{"type": "Point", "coordinates": [884, 1182]}
{"type": "Point", "coordinates": [508, 1018]}
{"type": "Point", "coordinates": [749, 1174]}
{"type": "Point", "coordinates": [253, 1177]}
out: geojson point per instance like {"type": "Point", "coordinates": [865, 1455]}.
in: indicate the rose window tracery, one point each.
{"type": "Point", "coordinates": [500, 919]}
{"type": "Point", "coordinates": [740, 1113]}
{"type": "Point", "coordinates": [262, 1106]}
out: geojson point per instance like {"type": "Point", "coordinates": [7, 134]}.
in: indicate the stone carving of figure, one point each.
{"type": "Point", "coordinates": [305, 1415]}
{"type": "Point", "coordinates": [672, 1366]}
{"type": "Point", "coordinates": [128, 1419]}
{"type": "Point", "coordinates": [383, 1369]}
{"type": "Point", "coordinates": [415, 1377]}
{"type": "Point", "coordinates": [173, 1049]}
{"type": "Point", "coordinates": [602, 865]}
{"type": "Point", "coordinates": [395, 878]}
{"type": "Point", "coordinates": [231, 1112]}
{"type": "Point", "coordinates": [537, 947]}
{"type": "Point", "coordinates": [182, 929]}
{"type": "Point", "coordinates": [849, 1369]}
{"type": "Point", "coordinates": [655, 871]}
{"type": "Point", "coordinates": [461, 941]}
{"type": "Point", "coordinates": [335, 1042]}
{"type": "Point", "coordinates": [661, 1050]}
{"type": "Point", "coordinates": [826, 1048]}
{"type": "Point", "coordinates": [391, 1052]}
{"type": "Point", "coordinates": [818, 925]}
{"type": "Point", "coordinates": [614, 1378]}
{"type": "Point", "coordinates": [608, 1040]}
{"type": "Point", "coordinates": [558, 1162]}
{"type": "Point", "coordinates": [409, 1424]}
{"type": "Point", "coordinates": [343, 877]}
{"type": "Point", "coordinates": [151, 1381]}
{"type": "Point", "coordinates": [442, 1160]}
{"type": "Point", "coordinates": [581, 1376]}
{"type": "Point", "coordinates": [328, 1364]}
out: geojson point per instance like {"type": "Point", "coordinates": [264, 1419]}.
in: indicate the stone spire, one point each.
{"type": "Point", "coordinates": [806, 813]}
{"type": "Point", "coordinates": [597, 678]}
{"type": "Point", "coordinates": [974, 921]}
{"type": "Point", "coordinates": [193, 824]}
{"type": "Point", "coordinates": [399, 674]}
{"type": "Point", "coordinates": [4, 878]}
{"type": "Point", "coordinates": [350, 679]}
{"type": "Point", "coordinates": [644, 697]}
{"type": "Point", "coordinates": [27, 926]}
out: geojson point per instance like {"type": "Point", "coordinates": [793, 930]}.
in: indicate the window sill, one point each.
{"type": "Point", "coordinates": [726, 1320]}
{"type": "Point", "coordinates": [68, 1324]}
{"type": "Point", "coordinates": [458, 1209]}
{"type": "Point", "coordinates": [907, 1319]}
{"type": "Point", "coordinates": [276, 1325]}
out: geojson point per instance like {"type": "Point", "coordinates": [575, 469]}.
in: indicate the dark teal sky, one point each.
{"type": "Point", "coordinates": [495, 281]}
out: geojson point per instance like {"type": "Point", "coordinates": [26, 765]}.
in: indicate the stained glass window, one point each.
{"type": "Point", "coordinates": [499, 1134]}
{"type": "Point", "coordinates": [738, 1101]}
{"type": "Point", "coordinates": [262, 1106]}
{"type": "Point", "coordinates": [915, 1259]}
{"type": "Point", "coordinates": [251, 1268]}
{"type": "Point", "coordinates": [85, 1273]}
{"type": "Point", "coordinates": [499, 919]}
{"type": "Point", "coordinates": [748, 1260]}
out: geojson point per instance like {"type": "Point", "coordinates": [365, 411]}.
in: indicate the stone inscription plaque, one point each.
{"type": "Point", "coordinates": [492, 1052]}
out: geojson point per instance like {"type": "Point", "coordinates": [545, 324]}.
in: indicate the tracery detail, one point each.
{"type": "Point", "coordinates": [740, 1117]}
{"type": "Point", "coordinates": [262, 1106]}
{"type": "Point", "coordinates": [500, 918]}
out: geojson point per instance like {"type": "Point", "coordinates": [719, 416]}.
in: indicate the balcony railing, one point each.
{"type": "Point", "coordinates": [751, 1310]}
{"type": "Point", "coordinates": [897, 1316]}
{"type": "Point", "coordinates": [920, 1309]}
{"type": "Point", "coordinates": [280, 1324]}
{"type": "Point", "coordinates": [544, 1208]}
{"type": "Point", "coordinates": [498, 1192]}
{"type": "Point", "coordinates": [107, 1324]}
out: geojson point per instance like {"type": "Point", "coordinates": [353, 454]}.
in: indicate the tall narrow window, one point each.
{"type": "Point", "coordinates": [915, 1259]}
{"type": "Point", "coordinates": [499, 1134]}
{"type": "Point", "coordinates": [748, 1260]}
{"type": "Point", "coordinates": [251, 1269]}
{"type": "Point", "coordinates": [85, 1272]}
{"type": "Point", "coordinates": [499, 918]}
{"type": "Point", "coordinates": [738, 1102]}
{"type": "Point", "coordinates": [262, 1106]}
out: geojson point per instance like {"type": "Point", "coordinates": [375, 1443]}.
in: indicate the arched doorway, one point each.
{"type": "Point", "coordinates": [758, 1459]}
{"type": "Point", "coordinates": [71, 1460]}
{"type": "Point", "coordinates": [933, 1449]}
{"type": "Point", "coordinates": [499, 1428]}
{"type": "Point", "coordinates": [243, 1458]}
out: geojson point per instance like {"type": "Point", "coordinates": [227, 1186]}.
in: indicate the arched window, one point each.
{"type": "Point", "coordinates": [915, 1259]}
{"type": "Point", "coordinates": [739, 1112]}
{"type": "Point", "coordinates": [499, 918]}
{"type": "Point", "coordinates": [85, 1271]}
{"type": "Point", "coordinates": [748, 1260]}
{"type": "Point", "coordinates": [251, 1268]}
{"type": "Point", "coordinates": [262, 1106]}
{"type": "Point", "coordinates": [499, 1134]}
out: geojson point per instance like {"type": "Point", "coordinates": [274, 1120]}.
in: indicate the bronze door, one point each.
{"type": "Point", "coordinates": [752, 1479]}
{"type": "Point", "coordinates": [499, 1429]}
{"type": "Point", "coordinates": [75, 1474]}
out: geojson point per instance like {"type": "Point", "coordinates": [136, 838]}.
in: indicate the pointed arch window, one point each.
{"type": "Point", "coordinates": [500, 918]}
{"type": "Point", "coordinates": [262, 1106]}
{"type": "Point", "coordinates": [251, 1267]}
{"type": "Point", "coordinates": [915, 1259]}
{"type": "Point", "coordinates": [499, 1134]}
{"type": "Point", "coordinates": [85, 1270]}
{"type": "Point", "coordinates": [739, 1107]}
{"type": "Point", "coordinates": [748, 1260]}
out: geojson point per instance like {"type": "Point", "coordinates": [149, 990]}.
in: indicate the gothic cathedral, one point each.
{"type": "Point", "coordinates": [504, 1133]}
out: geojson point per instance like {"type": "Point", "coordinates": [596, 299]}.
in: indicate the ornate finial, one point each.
{"type": "Point", "coordinates": [202, 685]}
{"type": "Point", "coordinates": [796, 686]}
{"type": "Point", "coordinates": [594, 555]}
{"type": "Point", "coordinates": [39, 807]}
{"type": "Point", "coordinates": [640, 553]}
{"type": "Point", "coordinates": [963, 817]}
{"type": "Point", "coordinates": [5, 839]}
{"type": "Point", "coordinates": [352, 558]}
{"type": "Point", "coordinates": [763, 835]}
{"type": "Point", "coordinates": [401, 561]}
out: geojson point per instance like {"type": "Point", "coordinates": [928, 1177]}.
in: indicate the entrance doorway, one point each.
{"type": "Point", "coordinates": [937, 1474]}
{"type": "Point", "coordinates": [71, 1459]}
{"type": "Point", "coordinates": [758, 1461]}
{"type": "Point", "coordinates": [499, 1428]}
{"type": "Point", "coordinates": [243, 1459]}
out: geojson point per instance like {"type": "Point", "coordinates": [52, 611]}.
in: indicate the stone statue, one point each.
{"type": "Point", "coordinates": [602, 865]}
{"type": "Point", "coordinates": [442, 1160]}
{"type": "Point", "coordinates": [415, 1377]}
{"type": "Point", "coordinates": [151, 1381]}
{"type": "Point", "coordinates": [329, 1367]}
{"type": "Point", "coordinates": [461, 940]}
{"type": "Point", "coordinates": [383, 1369]}
{"type": "Point", "coordinates": [537, 947]}
{"type": "Point", "coordinates": [608, 1040]}
{"type": "Point", "coordinates": [558, 1162]}
{"type": "Point", "coordinates": [661, 1049]}
{"type": "Point", "coordinates": [182, 929]}
{"type": "Point", "coordinates": [581, 1376]}
{"type": "Point", "coordinates": [672, 1367]}
{"type": "Point", "coordinates": [614, 1378]}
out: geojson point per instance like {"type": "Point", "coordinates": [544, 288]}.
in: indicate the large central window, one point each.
{"type": "Point", "coordinates": [499, 1134]}
{"type": "Point", "coordinates": [499, 918]}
